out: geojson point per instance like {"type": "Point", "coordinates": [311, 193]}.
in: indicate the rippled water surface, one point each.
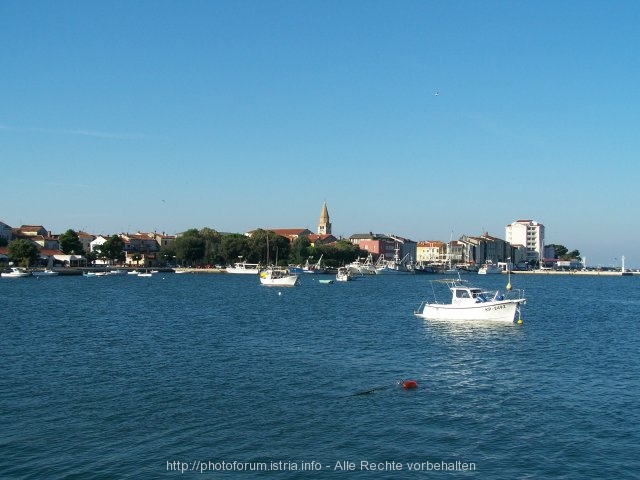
{"type": "Point", "coordinates": [114, 377]}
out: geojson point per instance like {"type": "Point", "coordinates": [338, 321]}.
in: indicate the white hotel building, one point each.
{"type": "Point", "coordinates": [529, 234]}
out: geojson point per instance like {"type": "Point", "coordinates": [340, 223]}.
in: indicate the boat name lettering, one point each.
{"type": "Point", "coordinates": [497, 307]}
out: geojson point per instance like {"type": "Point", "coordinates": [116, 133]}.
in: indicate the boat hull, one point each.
{"type": "Point", "coordinates": [45, 273]}
{"type": "Point", "coordinates": [245, 271]}
{"type": "Point", "coordinates": [499, 311]}
{"type": "Point", "coordinates": [289, 281]}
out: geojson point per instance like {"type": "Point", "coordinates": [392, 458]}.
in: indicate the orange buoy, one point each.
{"type": "Point", "coordinates": [407, 384]}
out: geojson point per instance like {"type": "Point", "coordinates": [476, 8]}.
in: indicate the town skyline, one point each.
{"type": "Point", "coordinates": [245, 115]}
{"type": "Point", "coordinates": [616, 261]}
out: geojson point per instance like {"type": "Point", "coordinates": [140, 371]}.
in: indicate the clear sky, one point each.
{"type": "Point", "coordinates": [418, 118]}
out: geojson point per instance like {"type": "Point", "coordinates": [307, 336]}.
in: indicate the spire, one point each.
{"type": "Point", "coordinates": [324, 226]}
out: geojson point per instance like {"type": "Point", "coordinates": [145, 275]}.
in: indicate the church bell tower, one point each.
{"type": "Point", "coordinates": [324, 225]}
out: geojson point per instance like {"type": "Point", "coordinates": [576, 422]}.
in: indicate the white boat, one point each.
{"type": "Point", "coordinates": [16, 272]}
{"type": "Point", "coordinates": [118, 271]}
{"type": "Point", "coordinates": [343, 275]}
{"type": "Point", "coordinates": [244, 267]}
{"type": "Point", "coordinates": [45, 273]}
{"type": "Point", "coordinates": [358, 267]}
{"type": "Point", "coordinates": [489, 268]}
{"type": "Point", "coordinates": [469, 303]}
{"type": "Point", "coordinates": [133, 272]}
{"type": "Point", "coordinates": [277, 277]}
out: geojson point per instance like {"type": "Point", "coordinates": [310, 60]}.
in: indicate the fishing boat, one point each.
{"type": "Point", "coordinates": [16, 272]}
{"type": "Point", "coordinates": [489, 268]}
{"type": "Point", "coordinates": [396, 265]}
{"type": "Point", "coordinates": [471, 303]}
{"type": "Point", "coordinates": [343, 275]}
{"type": "Point", "coordinates": [315, 268]}
{"type": "Point", "coordinates": [278, 277]}
{"type": "Point", "coordinates": [244, 268]}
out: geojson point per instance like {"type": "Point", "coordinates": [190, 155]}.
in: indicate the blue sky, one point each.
{"type": "Point", "coordinates": [167, 115]}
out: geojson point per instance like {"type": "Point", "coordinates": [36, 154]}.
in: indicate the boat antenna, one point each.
{"type": "Point", "coordinates": [509, 273]}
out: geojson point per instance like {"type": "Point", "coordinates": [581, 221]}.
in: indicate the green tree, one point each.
{"type": "Point", "coordinates": [212, 250]}
{"type": "Point", "coordinates": [190, 246]}
{"type": "Point", "coordinates": [235, 246]}
{"type": "Point", "coordinates": [168, 252]}
{"type": "Point", "coordinates": [22, 252]}
{"type": "Point", "coordinates": [113, 248]}
{"type": "Point", "coordinates": [70, 243]}
{"type": "Point", "coordinates": [339, 253]}
{"type": "Point", "coordinates": [279, 247]}
{"type": "Point", "coordinates": [300, 250]}
{"type": "Point", "coordinates": [563, 253]}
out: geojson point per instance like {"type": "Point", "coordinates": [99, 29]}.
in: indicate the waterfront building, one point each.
{"type": "Point", "coordinates": [430, 251]}
{"type": "Point", "coordinates": [528, 233]}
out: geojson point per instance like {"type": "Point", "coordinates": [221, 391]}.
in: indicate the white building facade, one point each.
{"type": "Point", "coordinates": [529, 234]}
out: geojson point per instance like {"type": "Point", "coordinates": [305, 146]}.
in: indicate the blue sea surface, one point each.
{"type": "Point", "coordinates": [174, 375]}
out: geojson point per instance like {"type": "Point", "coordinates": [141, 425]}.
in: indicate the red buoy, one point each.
{"type": "Point", "coordinates": [407, 384]}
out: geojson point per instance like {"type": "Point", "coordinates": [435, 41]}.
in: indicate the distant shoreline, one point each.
{"type": "Point", "coordinates": [605, 273]}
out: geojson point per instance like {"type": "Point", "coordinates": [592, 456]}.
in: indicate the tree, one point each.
{"type": "Point", "coordinates": [300, 250]}
{"type": "Point", "coordinates": [212, 239]}
{"type": "Point", "coordinates": [113, 248]}
{"type": "Point", "coordinates": [563, 253]}
{"type": "Point", "coordinates": [22, 252]}
{"type": "Point", "coordinates": [278, 247]}
{"type": "Point", "coordinates": [70, 243]}
{"type": "Point", "coordinates": [339, 253]}
{"type": "Point", "coordinates": [234, 246]}
{"type": "Point", "coordinates": [190, 246]}
{"type": "Point", "coordinates": [168, 252]}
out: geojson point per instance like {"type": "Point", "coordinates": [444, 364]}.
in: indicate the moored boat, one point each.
{"type": "Point", "coordinates": [489, 268]}
{"type": "Point", "coordinates": [343, 275]}
{"type": "Point", "coordinates": [244, 268]}
{"type": "Point", "coordinates": [45, 273]}
{"type": "Point", "coordinates": [470, 303]}
{"type": "Point", "coordinates": [277, 277]}
{"type": "Point", "coordinates": [16, 272]}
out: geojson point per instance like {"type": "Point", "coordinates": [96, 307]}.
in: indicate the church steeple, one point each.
{"type": "Point", "coordinates": [324, 226]}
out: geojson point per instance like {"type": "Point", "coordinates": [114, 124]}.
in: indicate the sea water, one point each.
{"type": "Point", "coordinates": [182, 375]}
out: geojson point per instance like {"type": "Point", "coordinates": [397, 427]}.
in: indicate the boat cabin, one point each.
{"type": "Point", "coordinates": [463, 294]}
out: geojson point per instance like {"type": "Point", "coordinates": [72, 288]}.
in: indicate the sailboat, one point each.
{"type": "Point", "coordinates": [274, 276]}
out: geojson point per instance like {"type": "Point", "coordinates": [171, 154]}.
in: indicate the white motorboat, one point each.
{"type": "Point", "coordinates": [16, 272]}
{"type": "Point", "coordinates": [343, 275]}
{"type": "Point", "coordinates": [119, 271]}
{"type": "Point", "coordinates": [45, 273]}
{"type": "Point", "coordinates": [469, 303]}
{"type": "Point", "coordinates": [244, 267]}
{"type": "Point", "coordinates": [489, 268]}
{"type": "Point", "coordinates": [277, 277]}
